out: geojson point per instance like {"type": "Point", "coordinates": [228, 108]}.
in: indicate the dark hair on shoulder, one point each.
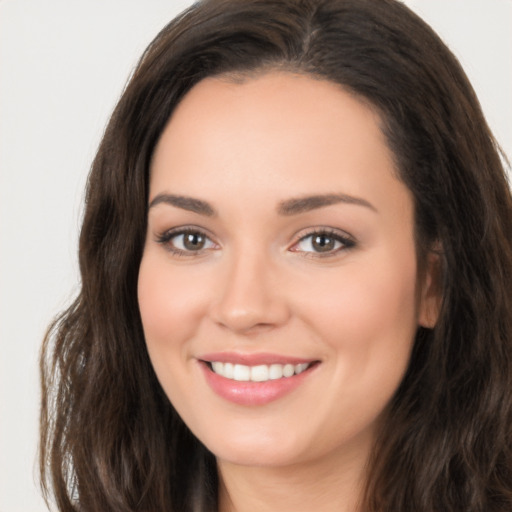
{"type": "Point", "coordinates": [110, 439]}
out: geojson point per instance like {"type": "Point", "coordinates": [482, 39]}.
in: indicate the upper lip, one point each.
{"type": "Point", "coordinates": [253, 359]}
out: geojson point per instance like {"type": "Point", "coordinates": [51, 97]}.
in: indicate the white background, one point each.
{"type": "Point", "coordinates": [63, 65]}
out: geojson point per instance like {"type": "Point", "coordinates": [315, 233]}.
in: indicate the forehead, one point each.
{"type": "Point", "coordinates": [278, 134]}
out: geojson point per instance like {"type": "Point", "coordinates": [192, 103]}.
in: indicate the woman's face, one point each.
{"type": "Point", "coordinates": [278, 287]}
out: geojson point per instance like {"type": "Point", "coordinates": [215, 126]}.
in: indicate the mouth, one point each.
{"type": "Point", "coordinates": [257, 373]}
{"type": "Point", "coordinates": [254, 380]}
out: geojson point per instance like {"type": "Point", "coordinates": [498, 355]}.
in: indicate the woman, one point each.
{"type": "Point", "coordinates": [296, 267]}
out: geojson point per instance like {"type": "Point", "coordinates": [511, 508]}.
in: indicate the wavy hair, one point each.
{"type": "Point", "coordinates": [110, 439]}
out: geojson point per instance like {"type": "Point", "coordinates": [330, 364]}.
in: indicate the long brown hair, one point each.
{"type": "Point", "coordinates": [110, 439]}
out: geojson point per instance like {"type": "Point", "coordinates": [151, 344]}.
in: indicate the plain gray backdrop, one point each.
{"type": "Point", "coordinates": [63, 65]}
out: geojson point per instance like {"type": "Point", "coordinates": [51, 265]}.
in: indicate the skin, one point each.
{"type": "Point", "coordinates": [260, 285]}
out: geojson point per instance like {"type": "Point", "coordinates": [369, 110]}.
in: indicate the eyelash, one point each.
{"type": "Point", "coordinates": [346, 242]}
{"type": "Point", "coordinates": [166, 237]}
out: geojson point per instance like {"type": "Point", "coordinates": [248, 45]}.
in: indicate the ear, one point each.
{"type": "Point", "coordinates": [431, 289]}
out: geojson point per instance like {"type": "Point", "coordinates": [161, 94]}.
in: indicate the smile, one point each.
{"type": "Point", "coordinates": [257, 379]}
{"type": "Point", "coordinates": [258, 373]}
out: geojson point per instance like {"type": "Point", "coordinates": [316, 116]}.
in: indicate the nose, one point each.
{"type": "Point", "coordinates": [250, 298]}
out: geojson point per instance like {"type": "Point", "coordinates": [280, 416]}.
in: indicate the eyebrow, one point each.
{"type": "Point", "coordinates": [308, 203]}
{"type": "Point", "coordinates": [289, 207]}
{"type": "Point", "coordinates": [185, 203]}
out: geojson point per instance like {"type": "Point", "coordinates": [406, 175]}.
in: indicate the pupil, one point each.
{"type": "Point", "coordinates": [193, 241]}
{"type": "Point", "coordinates": [323, 243]}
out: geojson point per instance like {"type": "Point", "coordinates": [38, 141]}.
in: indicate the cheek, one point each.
{"type": "Point", "coordinates": [170, 304]}
{"type": "Point", "coordinates": [367, 317]}
{"type": "Point", "coordinates": [367, 309]}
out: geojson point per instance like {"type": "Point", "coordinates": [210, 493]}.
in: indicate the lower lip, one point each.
{"type": "Point", "coordinates": [253, 393]}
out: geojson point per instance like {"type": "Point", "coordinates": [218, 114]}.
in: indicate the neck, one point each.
{"type": "Point", "coordinates": [327, 484]}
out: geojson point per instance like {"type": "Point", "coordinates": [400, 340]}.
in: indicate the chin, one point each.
{"type": "Point", "coordinates": [257, 450]}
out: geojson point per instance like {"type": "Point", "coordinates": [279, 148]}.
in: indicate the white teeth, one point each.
{"type": "Point", "coordinates": [259, 373]}
{"type": "Point", "coordinates": [276, 371]}
{"type": "Point", "coordinates": [241, 372]}
{"type": "Point", "coordinates": [288, 370]}
{"type": "Point", "coordinates": [299, 368]}
{"type": "Point", "coordinates": [218, 367]}
{"type": "Point", "coordinates": [229, 370]}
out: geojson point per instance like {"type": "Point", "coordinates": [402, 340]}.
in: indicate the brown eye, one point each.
{"type": "Point", "coordinates": [193, 241]}
{"type": "Point", "coordinates": [323, 243]}
{"type": "Point", "coordinates": [186, 242]}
